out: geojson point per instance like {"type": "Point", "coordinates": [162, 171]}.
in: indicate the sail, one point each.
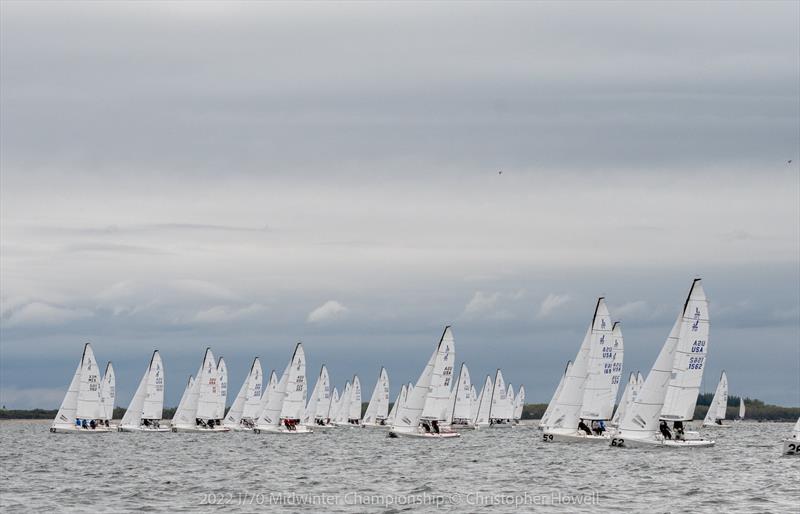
{"type": "Point", "coordinates": [627, 398]}
{"type": "Point", "coordinates": [410, 413]}
{"type": "Point", "coordinates": [485, 402]}
{"type": "Point", "coordinates": [108, 393]}
{"type": "Point", "coordinates": [245, 405]}
{"type": "Point", "coordinates": [690, 357]}
{"type": "Point", "coordinates": [343, 405]}
{"type": "Point", "coordinates": [355, 399]}
{"type": "Point", "coordinates": [222, 388]}
{"type": "Point", "coordinates": [796, 430]}
{"type": "Point", "coordinates": [462, 397]}
{"type": "Point", "coordinates": [378, 408]}
{"type": "Point", "coordinates": [719, 404]}
{"type": "Point", "coordinates": [401, 397]}
{"type": "Point", "coordinates": [510, 397]}
{"type": "Point", "coordinates": [741, 408]}
{"type": "Point", "coordinates": [65, 418]}
{"type": "Point", "coordinates": [519, 403]}
{"type": "Point", "coordinates": [323, 395]}
{"type": "Point", "coordinates": [544, 421]}
{"type": "Point", "coordinates": [436, 401]}
{"type": "Point", "coordinates": [295, 400]}
{"type": "Point", "coordinates": [205, 397]}
{"type": "Point", "coordinates": [618, 351]}
{"type": "Point", "coordinates": [473, 411]}
{"type": "Point", "coordinates": [597, 398]}
{"type": "Point", "coordinates": [274, 402]}
{"type": "Point", "coordinates": [570, 399]}
{"type": "Point", "coordinates": [641, 418]}
{"type": "Point", "coordinates": [267, 389]}
{"type": "Point", "coordinates": [309, 414]}
{"type": "Point", "coordinates": [154, 398]}
{"type": "Point", "coordinates": [88, 404]}
{"type": "Point", "coordinates": [331, 413]}
{"type": "Point", "coordinates": [184, 413]}
{"type": "Point", "coordinates": [497, 409]}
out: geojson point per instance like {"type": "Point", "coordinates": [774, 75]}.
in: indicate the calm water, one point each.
{"type": "Point", "coordinates": [348, 470]}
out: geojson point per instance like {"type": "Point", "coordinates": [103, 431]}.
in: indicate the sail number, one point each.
{"type": "Point", "coordinates": [696, 362]}
{"type": "Point", "coordinates": [547, 437]}
{"type": "Point", "coordinates": [793, 449]}
{"type": "Point", "coordinates": [699, 346]}
{"type": "Point", "coordinates": [617, 442]}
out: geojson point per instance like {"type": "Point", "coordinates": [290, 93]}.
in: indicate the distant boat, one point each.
{"type": "Point", "coordinates": [519, 404]}
{"type": "Point", "coordinates": [221, 389]}
{"type": "Point", "coordinates": [287, 401]}
{"type": "Point", "coordinates": [670, 389]}
{"type": "Point", "coordinates": [427, 404]}
{"type": "Point", "coordinates": [108, 395]}
{"type": "Point", "coordinates": [500, 408]}
{"type": "Point", "coordinates": [484, 404]}
{"type": "Point", "coordinates": [461, 403]}
{"type": "Point", "coordinates": [378, 409]}
{"type": "Point", "coordinates": [242, 414]}
{"type": "Point", "coordinates": [741, 409]}
{"type": "Point", "coordinates": [145, 410]}
{"type": "Point", "coordinates": [719, 404]}
{"type": "Point", "coordinates": [82, 406]}
{"type": "Point", "coordinates": [319, 403]}
{"type": "Point", "coordinates": [199, 410]}
{"type": "Point", "coordinates": [791, 446]}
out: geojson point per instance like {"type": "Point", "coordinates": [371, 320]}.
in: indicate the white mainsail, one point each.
{"type": "Point", "coordinates": [741, 408]}
{"type": "Point", "coordinates": [378, 408]}
{"type": "Point", "coordinates": [295, 393]}
{"type": "Point", "coordinates": [597, 398]}
{"type": "Point", "coordinates": [319, 399]}
{"type": "Point", "coordinates": [148, 400]}
{"type": "Point", "coordinates": [108, 393]}
{"type": "Point", "coordinates": [510, 397]}
{"type": "Point", "coordinates": [618, 350]}
{"type": "Point", "coordinates": [498, 406]}
{"type": "Point", "coordinates": [222, 388]}
{"type": "Point", "coordinates": [719, 403]}
{"type": "Point", "coordinates": [205, 397]}
{"type": "Point", "coordinates": [245, 405]}
{"type": "Point", "coordinates": [438, 396]}
{"type": "Point", "coordinates": [690, 356]}
{"type": "Point", "coordinates": [354, 404]}
{"type": "Point", "coordinates": [421, 399]}
{"type": "Point", "coordinates": [462, 398]}
{"type": "Point", "coordinates": [519, 403]}
{"type": "Point", "coordinates": [549, 410]}
{"type": "Point", "coordinates": [401, 398]}
{"type": "Point", "coordinates": [641, 420]}
{"type": "Point", "coordinates": [484, 403]}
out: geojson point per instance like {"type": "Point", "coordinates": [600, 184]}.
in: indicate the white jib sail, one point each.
{"type": "Point", "coordinates": [222, 388]}
{"type": "Point", "coordinates": [437, 399]}
{"type": "Point", "coordinates": [271, 415]}
{"type": "Point", "coordinates": [182, 414]}
{"type": "Point", "coordinates": [88, 404]}
{"type": "Point", "coordinates": [309, 414]}
{"type": "Point", "coordinates": [597, 388]}
{"type": "Point", "coordinates": [549, 410]}
{"type": "Point", "coordinates": [378, 408]}
{"type": "Point", "coordinates": [295, 399]}
{"type": "Point", "coordinates": [690, 357]}
{"type": "Point", "coordinates": [108, 393]}
{"type": "Point", "coordinates": [627, 398]}
{"type": "Point", "coordinates": [410, 413]}
{"type": "Point", "coordinates": [485, 402]}
{"type": "Point", "coordinates": [519, 403]}
{"type": "Point", "coordinates": [249, 394]}
{"type": "Point", "coordinates": [462, 401]}
{"type": "Point", "coordinates": [741, 408]}
{"type": "Point", "coordinates": [205, 397]}
{"type": "Point", "coordinates": [497, 409]}
{"type": "Point", "coordinates": [401, 397]}
{"type": "Point", "coordinates": [331, 414]}
{"type": "Point", "coordinates": [719, 403]}
{"type": "Point", "coordinates": [65, 418]}
{"type": "Point", "coordinates": [267, 389]}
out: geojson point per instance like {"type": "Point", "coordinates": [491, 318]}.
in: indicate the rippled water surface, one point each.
{"type": "Point", "coordinates": [348, 470]}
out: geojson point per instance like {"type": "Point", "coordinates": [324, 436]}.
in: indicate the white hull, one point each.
{"type": "Point", "coordinates": [421, 434]}
{"type": "Point", "coordinates": [239, 428]}
{"type": "Point", "coordinates": [791, 446]}
{"type": "Point", "coordinates": [374, 425]}
{"type": "Point", "coordinates": [198, 430]}
{"type": "Point", "coordinates": [659, 442]}
{"type": "Point", "coordinates": [575, 437]}
{"type": "Point", "coordinates": [346, 425]}
{"type": "Point", "coordinates": [299, 429]}
{"type": "Point", "coordinates": [76, 430]}
{"type": "Point", "coordinates": [463, 427]}
{"type": "Point", "coordinates": [142, 429]}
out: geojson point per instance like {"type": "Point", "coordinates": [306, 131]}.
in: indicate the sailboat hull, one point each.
{"type": "Point", "coordinates": [299, 429]}
{"type": "Point", "coordinates": [791, 446]}
{"type": "Point", "coordinates": [421, 434]}
{"type": "Point", "coordinates": [374, 425]}
{"type": "Point", "coordinates": [198, 430]}
{"type": "Point", "coordinates": [142, 429]}
{"type": "Point", "coordinates": [574, 437]}
{"type": "Point", "coordinates": [76, 430]}
{"type": "Point", "coordinates": [659, 442]}
{"type": "Point", "coordinates": [463, 427]}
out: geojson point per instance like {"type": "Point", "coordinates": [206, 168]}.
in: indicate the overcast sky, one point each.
{"type": "Point", "coordinates": [247, 175]}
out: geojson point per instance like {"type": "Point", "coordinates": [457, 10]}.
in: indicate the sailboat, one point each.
{"type": "Point", "coordinates": [342, 408]}
{"type": "Point", "coordinates": [244, 411]}
{"type": "Point", "coordinates": [741, 409]}
{"type": "Point", "coordinates": [791, 446]}
{"type": "Point", "coordinates": [670, 390]}
{"type": "Point", "coordinates": [484, 403]}
{"type": "Point", "coordinates": [500, 409]}
{"type": "Point", "coordinates": [286, 403]}
{"type": "Point", "coordinates": [519, 403]}
{"type": "Point", "coordinates": [319, 402]}
{"type": "Point", "coordinates": [199, 409]}
{"type": "Point", "coordinates": [546, 416]}
{"type": "Point", "coordinates": [719, 404]}
{"type": "Point", "coordinates": [625, 401]}
{"type": "Point", "coordinates": [378, 409]}
{"type": "Point", "coordinates": [461, 404]}
{"type": "Point", "coordinates": [222, 389]}
{"type": "Point", "coordinates": [332, 408]}
{"type": "Point", "coordinates": [588, 392]}
{"type": "Point", "coordinates": [108, 395]}
{"type": "Point", "coordinates": [426, 404]}
{"type": "Point", "coordinates": [145, 410]}
{"type": "Point", "coordinates": [354, 403]}
{"type": "Point", "coordinates": [400, 400]}
{"type": "Point", "coordinates": [81, 406]}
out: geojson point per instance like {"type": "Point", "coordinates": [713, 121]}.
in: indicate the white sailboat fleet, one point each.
{"type": "Point", "coordinates": [145, 410]}
{"type": "Point", "coordinates": [199, 410]}
{"type": "Point", "coordinates": [317, 413]}
{"type": "Point", "coordinates": [588, 389]}
{"type": "Point", "coordinates": [378, 409]}
{"type": "Point", "coordinates": [669, 392]}
{"type": "Point", "coordinates": [244, 411]}
{"type": "Point", "coordinates": [285, 405]}
{"type": "Point", "coordinates": [83, 409]}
